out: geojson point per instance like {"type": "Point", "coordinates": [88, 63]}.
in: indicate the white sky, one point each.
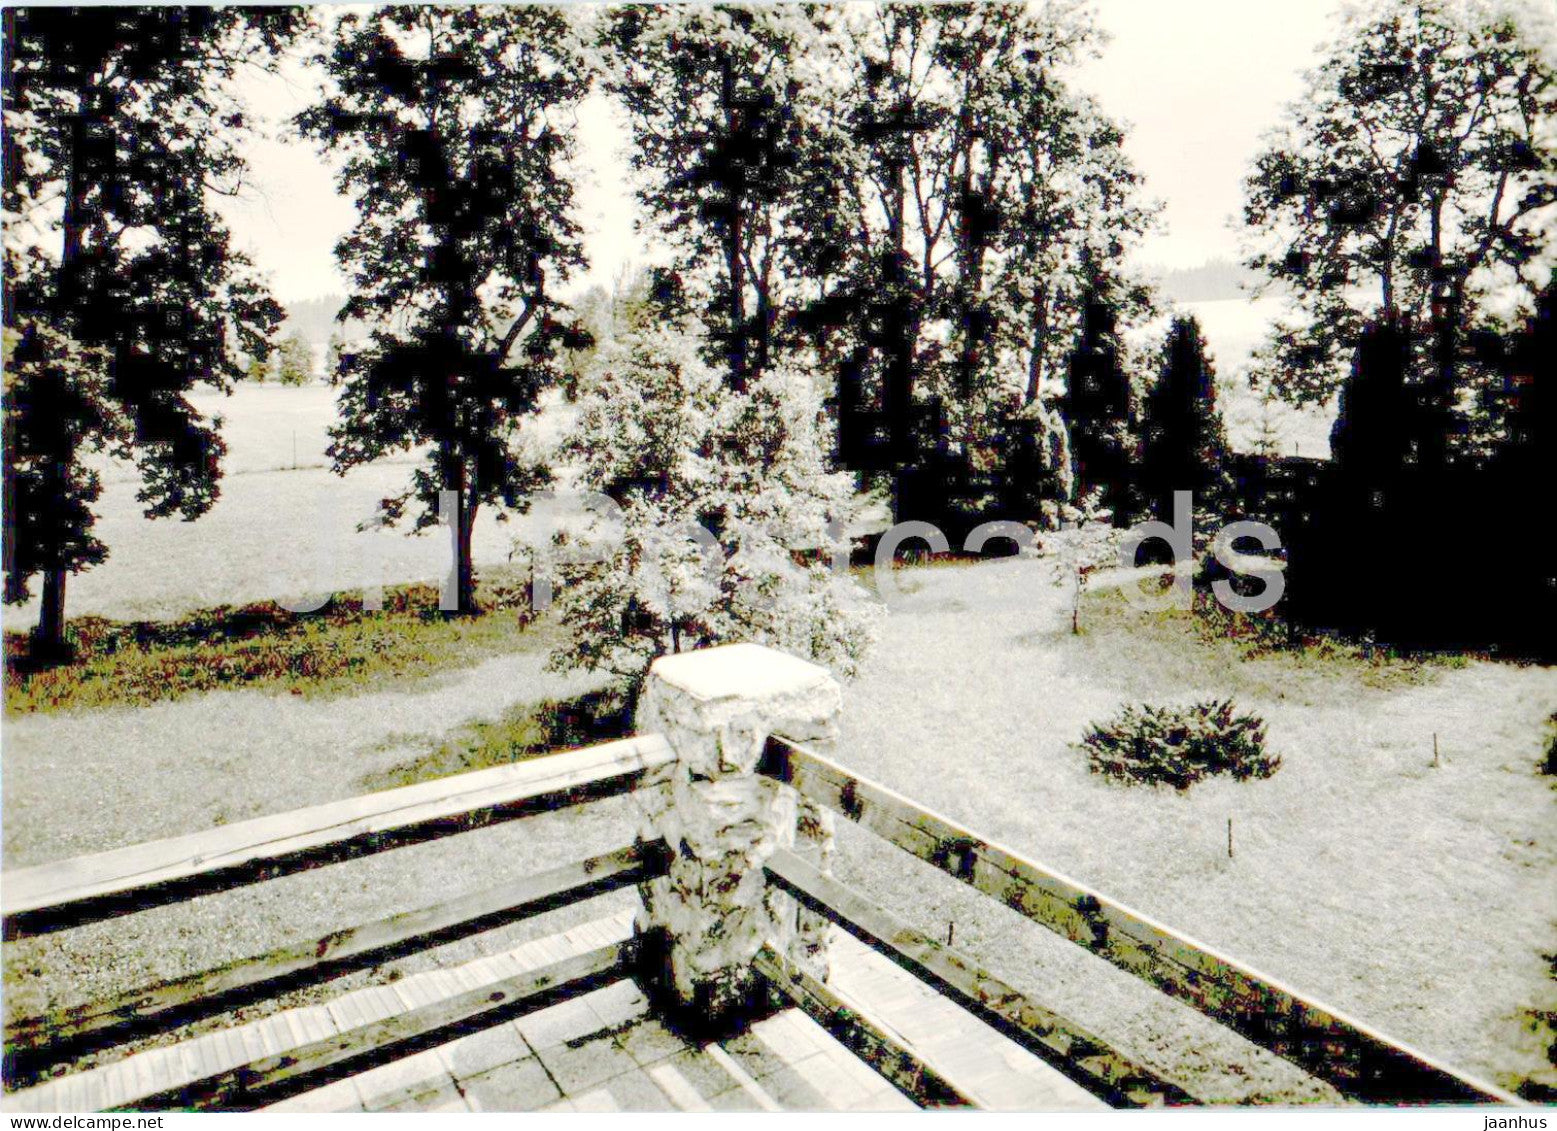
{"type": "Point", "coordinates": [1196, 82]}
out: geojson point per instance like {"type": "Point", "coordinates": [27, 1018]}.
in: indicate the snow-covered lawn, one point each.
{"type": "Point", "coordinates": [1420, 899]}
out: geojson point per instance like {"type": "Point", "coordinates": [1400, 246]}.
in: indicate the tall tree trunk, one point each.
{"type": "Point", "coordinates": [49, 636]}
{"type": "Point", "coordinates": [1444, 314]}
{"type": "Point", "coordinates": [1035, 358]}
{"type": "Point", "coordinates": [455, 481]}
{"type": "Point", "coordinates": [734, 240]}
{"type": "Point", "coordinates": [737, 301]}
{"type": "Point", "coordinates": [48, 642]}
{"type": "Point", "coordinates": [897, 394]}
{"type": "Point", "coordinates": [467, 566]}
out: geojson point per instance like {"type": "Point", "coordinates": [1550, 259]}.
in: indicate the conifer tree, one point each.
{"type": "Point", "coordinates": [1099, 403]}
{"type": "Point", "coordinates": [1183, 439]}
{"type": "Point", "coordinates": [726, 513]}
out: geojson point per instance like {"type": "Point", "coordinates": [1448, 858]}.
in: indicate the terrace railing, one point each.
{"type": "Point", "coordinates": [731, 856]}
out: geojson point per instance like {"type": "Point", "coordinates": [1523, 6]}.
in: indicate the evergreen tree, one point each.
{"type": "Point", "coordinates": [1357, 569]}
{"type": "Point", "coordinates": [454, 129]}
{"type": "Point", "coordinates": [1530, 417]}
{"type": "Point", "coordinates": [1037, 475]}
{"type": "Point", "coordinates": [259, 370]}
{"type": "Point", "coordinates": [332, 357]}
{"type": "Point", "coordinates": [1372, 440]}
{"type": "Point", "coordinates": [296, 365]}
{"type": "Point", "coordinates": [661, 432]}
{"type": "Point", "coordinates": [1389, 554]}
{"type": "Point", "coordinates": [1098, 403]}
{"type": "Point", "coordinates": [119, 127]}
{"type": "Point", "coordinates": [1183, 440]}
{"type": "Point", "coordinates": [1269, 435]}
{"type": "Point", "coordinates": [1521, 474]}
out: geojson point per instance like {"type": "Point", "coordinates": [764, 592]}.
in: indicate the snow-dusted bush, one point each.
{"type": "Point", "coordinates": [1179, 745]}
{"type": "Point", "coordinates": [729, 518]}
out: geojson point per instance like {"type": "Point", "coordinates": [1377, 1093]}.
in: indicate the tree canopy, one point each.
{"type": "Point", "coordinates": [1415, 180]}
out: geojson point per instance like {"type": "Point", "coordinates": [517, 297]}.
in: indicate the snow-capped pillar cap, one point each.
{"type": "Point", "coordinates": [737, 695]}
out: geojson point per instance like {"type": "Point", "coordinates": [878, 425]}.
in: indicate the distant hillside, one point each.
{"type": "Point", "coordinates": [315, 318]}
{"type": "Point", "coordinates": [1212, 281]}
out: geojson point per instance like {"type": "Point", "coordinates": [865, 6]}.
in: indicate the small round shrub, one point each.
{"type": "Point", "coordinates": [1179, 745]}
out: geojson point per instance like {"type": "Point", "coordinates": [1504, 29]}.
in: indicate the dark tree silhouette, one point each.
{"type": "Point", "coordinates": [1416, 177]}
{"type": "Point", "coordinates": [980, 175]}
{"type": "Point", "coordinates": [453, 126]}
{"type": "Point", "coordinates": [1183, 440]}
{"type": "Point", "coordinates": [1389, 553]}
{"type": "Point", "coordinates": [120, 279]}
{"type": "Point", "coordinates": [1098, 401]}
{"type": "Point", "coordinates": [1519, 485]}
{"type": "Point", "coordinates": [730, 160]}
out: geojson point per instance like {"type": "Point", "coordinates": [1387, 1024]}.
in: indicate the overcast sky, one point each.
{"type": "Point", "coordinates": [1195, 81]}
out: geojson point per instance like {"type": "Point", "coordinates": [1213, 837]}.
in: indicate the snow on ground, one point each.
{"type": "Point", "coordinates": [1419, 899]}
{"type": "Point", "coordinates": [278, 532]}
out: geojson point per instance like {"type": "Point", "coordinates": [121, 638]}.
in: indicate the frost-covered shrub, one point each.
{"type": "Point", "coordinates": [661, 434]}
{"type": "Point", "coordinates": [1179, 745]}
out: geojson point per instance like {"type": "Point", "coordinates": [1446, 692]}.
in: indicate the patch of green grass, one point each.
{"type": "Point", "coordinates": [330, 652]}
{"type": "Point", "coordinates": [527, 730]}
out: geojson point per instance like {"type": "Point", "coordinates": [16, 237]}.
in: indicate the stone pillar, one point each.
{"type": "Point", "coordinates": [704, 921]}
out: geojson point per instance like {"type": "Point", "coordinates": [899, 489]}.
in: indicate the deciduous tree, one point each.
{"type": "Point", "coordinates": [984, 180]}
{"type": "Point", "coordinates": [296, 366]}
{"type": "Point", "coordinates": [120, 126]}
{"type": "Point", "coordinates": [730, 156]}
{"type": "Point", "coordinates": [454, 127]}
{"type": "Point", "coordinates": [1416, 180]}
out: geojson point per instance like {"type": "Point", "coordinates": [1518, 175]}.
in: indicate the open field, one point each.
{"type": "Point", "coordinates": [277, 533]}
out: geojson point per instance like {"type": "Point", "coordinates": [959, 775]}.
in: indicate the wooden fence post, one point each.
{"type": "Point", "coordinates": [706, 919]}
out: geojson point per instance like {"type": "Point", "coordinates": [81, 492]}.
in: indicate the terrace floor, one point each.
{"type": "Point", "coordinates": [603, 1051]}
